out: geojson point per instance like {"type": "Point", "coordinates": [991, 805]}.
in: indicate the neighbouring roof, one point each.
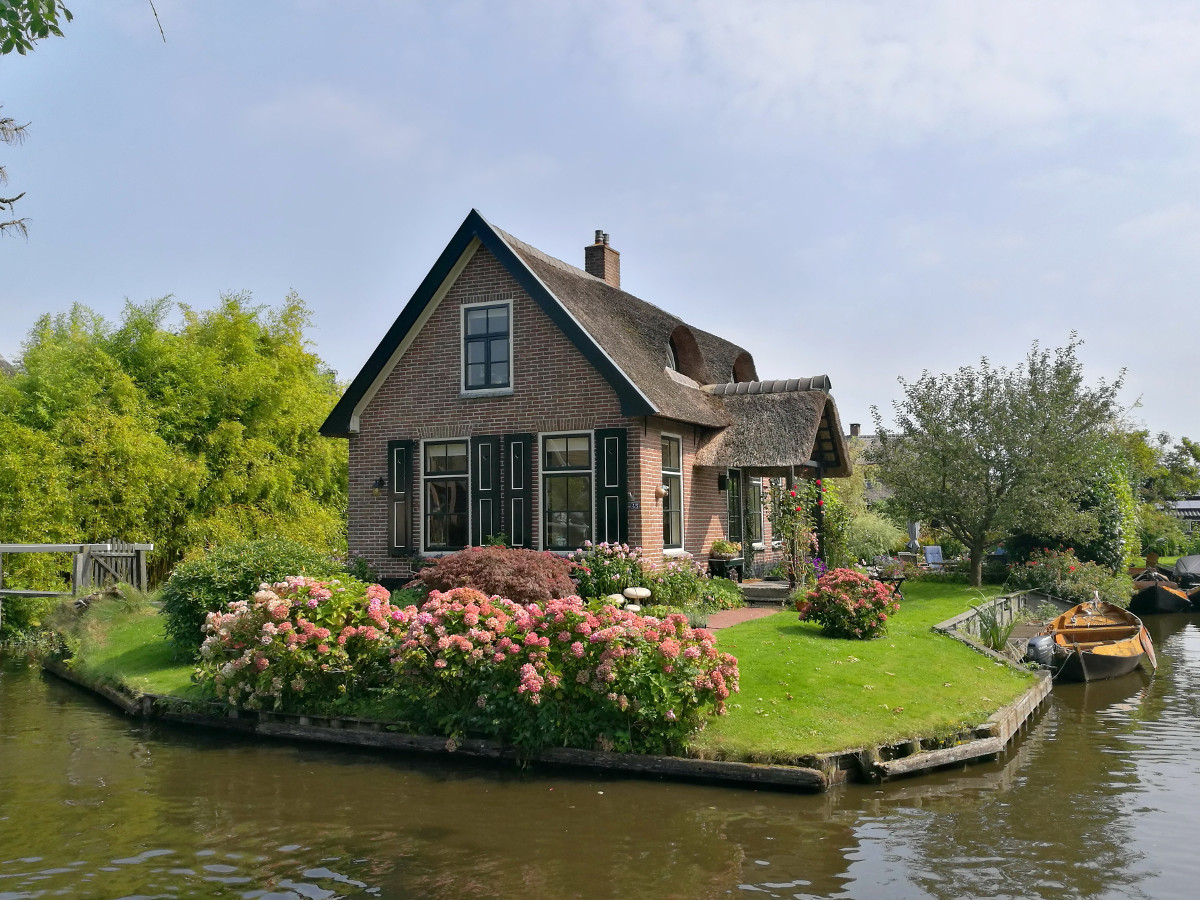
{"type": "Point", "coordinates": [626, 339]}
{"type": "Point", "coordinates": [1184, 509]}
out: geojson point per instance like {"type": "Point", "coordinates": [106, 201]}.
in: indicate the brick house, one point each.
{"type": "Point", "coordinates": [520, 395]}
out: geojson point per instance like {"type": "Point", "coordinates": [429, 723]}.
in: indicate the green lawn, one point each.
{"type": "Point", "coordinates": [122, 644]}
{"type": "Point", "coordinates": [803, 693]}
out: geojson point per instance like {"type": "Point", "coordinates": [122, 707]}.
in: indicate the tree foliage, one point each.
{"type": "Point", "coordinates": [22, 22]}
{"type": "Point", "coordinates": [184, 435]}
{"type": "Point", "coordinates": [988, 451]}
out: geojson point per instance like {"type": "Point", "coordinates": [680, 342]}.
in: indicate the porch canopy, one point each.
{"type": "Point", "coordinates": [776, 427]}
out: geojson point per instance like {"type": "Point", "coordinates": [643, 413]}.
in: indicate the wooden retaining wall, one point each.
{"type": "Point", "coordinates": [819, 773]}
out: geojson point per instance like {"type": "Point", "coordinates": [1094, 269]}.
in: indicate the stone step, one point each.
{"type": "Point", "coordinates": [766, 593]}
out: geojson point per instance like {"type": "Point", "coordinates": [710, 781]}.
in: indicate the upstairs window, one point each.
{"type": "Point", "coordinates": [487, 344]}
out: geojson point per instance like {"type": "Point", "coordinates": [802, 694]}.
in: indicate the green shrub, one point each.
{"type": "Point", "coordinates": [22, 616]}
{"type": "Point", "coordinates": [870, 535]}
{"type": "Point", "coordinates": [720, 593]}
{"type": "Point", "coordinates": [1060, 574]}
{"type": "Point", "coordinates": [228, 573]}
{"type": "Point", "coordinates": [677, 582]}
{"type": "Point", "coordinates": [525, 576]}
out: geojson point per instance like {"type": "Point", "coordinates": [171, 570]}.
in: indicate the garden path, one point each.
{"type": "Point", "coordinates": [727, 617]}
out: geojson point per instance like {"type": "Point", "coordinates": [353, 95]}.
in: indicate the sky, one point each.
{"type": "Point", "coordinates": [865, 190]}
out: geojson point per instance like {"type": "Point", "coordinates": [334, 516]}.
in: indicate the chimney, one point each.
{"type": "Point", "coordinates": [855, 429]}
{"type": "Point", "coordinates": [603, 261]}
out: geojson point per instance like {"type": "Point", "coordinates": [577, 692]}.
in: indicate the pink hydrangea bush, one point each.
{"type": "Point", "coordinates": [848, 604]}
{"type": "Point", "coordinates": [557, 673]}
{"type": "Point", "coordinates": [301, 644]}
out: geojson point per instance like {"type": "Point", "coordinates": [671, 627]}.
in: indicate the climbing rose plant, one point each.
{"type": "Point", "coordinates": [848, 604]}
{"type": "Point", "coordinates": [557, 674]}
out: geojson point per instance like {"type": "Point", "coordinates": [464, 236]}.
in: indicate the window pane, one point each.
{"type": "Point", "coordinates": [475, 352]}
{"type": "Point", "coordinates": [556, 453]}
{"type": "Point", "coordinates": [579, 452]}
{"type": "Point", "coordinates": [579, 493]}
{"type": "Point", "coordinates": [435, 531]}
{"type": "Point", "coordinates": [435, 458]}
{"type": "Point", "coordinates": [456, 457]}
{"type": "Point", "coordinates": [499, 374]}
{"type": "Point", "coordinates": [456, 529]}
{"type": "Point", "coordinates": [734, 499]}
{"type": "Point", "coordinates": [499, 349]}
{"type": "Point", "coordinates": [477, 321]}
{"type": "Point", "coordinates": [497, 320]}
{"type": "Point", "coordinates": [476, 375]}
{"type": "Point", "coordinates": [670, 454]}
{"type": "Point", "coordinates": [556, 534]}
{"type": "Point", "coordinates": [578, 529]}
{"type": "Point", "coordinates": [556, 491]}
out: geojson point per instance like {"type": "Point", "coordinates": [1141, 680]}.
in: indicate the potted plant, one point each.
{"type": "Point", "coordinates": [725, 560]}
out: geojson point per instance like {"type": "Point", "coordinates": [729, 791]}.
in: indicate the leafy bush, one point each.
{"type": "Point", "coordinates": [603, 569]}
{"type": "Point", "coordinates": [677, 582]}
{"type": "Point", "coordinates": [869, 535]}
{"type": "Point", "coordinates": [723, 549]}
{"type": "Point", "coordinates": [22, 616]}
{"type": "Point", "coordinates": [720, 593]}
{"type": "Point", "coordinates": [524, 576]}
{"type": "Point", "coordinates": [301, 644]}
{"type": "Point", "coordinates": [1060, 574]}
{"type": "Point", "coordinates": [230, 573]}
{"type": "Point", "coordinates": [556, 674]}
{"type": "Point", "coordinates": [848, 604]}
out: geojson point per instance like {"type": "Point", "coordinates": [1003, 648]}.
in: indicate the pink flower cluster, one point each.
{"type": "Point", "coordinates": [304, 631]}
{"type": "Point", "coordinates": [849, 604]}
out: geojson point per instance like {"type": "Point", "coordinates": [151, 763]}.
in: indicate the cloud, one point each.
{"type": "Point", "coordinates": [323, 114]}
{"type": "Point", "coordinates": [1030, 70]}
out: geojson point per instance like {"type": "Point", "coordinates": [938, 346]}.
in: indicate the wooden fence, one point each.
{"type": "Point", "coordinates": [92, 566]}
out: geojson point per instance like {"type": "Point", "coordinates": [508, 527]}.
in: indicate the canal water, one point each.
{"type": "Point", "coordinates": [1100, 799]}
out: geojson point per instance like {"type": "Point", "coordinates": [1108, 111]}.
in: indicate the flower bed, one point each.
{"type": "Point", "coordinates": [533, 675]}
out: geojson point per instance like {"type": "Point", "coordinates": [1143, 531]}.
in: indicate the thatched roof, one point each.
{"type": "Point", "coordinates": [636, 334]}
{"type": "Point", "coordinates": [7, 368]}
{"type": "Point", "coordinates": [776, 430]}
{"type": "Point", "coordinates": [627, 339]}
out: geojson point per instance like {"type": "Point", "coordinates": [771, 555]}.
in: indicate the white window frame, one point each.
{"type": "Point", "coordinates": [463, 390]}
{"type": "Point", "coordinates": [421, 497]}
{"type": "Point", "coordinates": [540, 473]}
{"type": "Point", "coordinates": [681, 549]}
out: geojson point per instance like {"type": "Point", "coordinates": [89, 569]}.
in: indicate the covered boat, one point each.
{"type": "Point", "coordinates": [1159, 598]}
{"type": "Point", "coordinates": [1097, 640]}
{"type": "Point", "coordinates": [1187, 572]}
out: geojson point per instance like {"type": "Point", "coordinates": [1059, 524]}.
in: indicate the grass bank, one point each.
{"type": "Point", "coordinates": [121, 643]}
{"type": "Point", "coordinates": [803, 693]}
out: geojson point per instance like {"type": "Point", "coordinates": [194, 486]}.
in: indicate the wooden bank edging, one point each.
{"type": "Point", "coordinates": [820, 774]}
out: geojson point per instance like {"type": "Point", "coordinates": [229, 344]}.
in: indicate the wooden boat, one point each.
{"type": "Point", "coordinates": [1159, 597]}
{"type": "Point", "coordinates": [1097, 640]}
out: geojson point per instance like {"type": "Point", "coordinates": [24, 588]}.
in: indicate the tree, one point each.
{"type": "Point", "coordinates": [22, 22]}
{"type": "Point", "coordinates": [987, 451]}
{"type": "Point", "coordinates": [183, 435]}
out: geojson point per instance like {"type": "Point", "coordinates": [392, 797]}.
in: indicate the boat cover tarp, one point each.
{"type": "Point", "coordinates": [1159, 599]}
{"type": "Point", "coordinates": [1187, 571]}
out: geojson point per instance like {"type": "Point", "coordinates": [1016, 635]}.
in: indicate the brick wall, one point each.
{"type": "Point", "coordinates": [554, 388]}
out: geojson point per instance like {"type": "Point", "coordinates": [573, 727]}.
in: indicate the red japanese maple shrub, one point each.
{"type": "Point", "coordinates": [524, 576]}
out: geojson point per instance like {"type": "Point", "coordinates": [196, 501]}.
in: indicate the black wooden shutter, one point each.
{"type": "Point", "coordinates": [612, 486]}
{"type": "Point", "coordinates": [518, 489]}
{"type": "Point", "coordinates": [485, 489]}
{"type": "Point", "coordinates": [400, 477]}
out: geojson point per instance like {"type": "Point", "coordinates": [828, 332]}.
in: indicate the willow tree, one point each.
{"type": "Point", "coordinates": [988, 451]}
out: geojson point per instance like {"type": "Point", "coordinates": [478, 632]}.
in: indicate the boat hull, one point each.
{"type": "Point", "coordinates": [1096, 640]}
{"type": "Point", "coordinates": [1158, 598]}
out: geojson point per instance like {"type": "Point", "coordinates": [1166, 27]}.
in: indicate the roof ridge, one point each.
{"type": "Point", "coordinates": [774, 386]}
{"type": "Point", "coordinates": [547, 258]}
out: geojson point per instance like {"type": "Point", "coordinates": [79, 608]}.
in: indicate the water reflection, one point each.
{"type": "Point", "coordinates": [1098, 800]}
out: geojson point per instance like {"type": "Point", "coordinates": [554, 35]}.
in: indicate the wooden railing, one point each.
{"type": "Point", "coordinates": [92, 565]}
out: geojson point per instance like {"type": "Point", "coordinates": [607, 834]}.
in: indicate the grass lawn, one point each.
{"type": "Point", "coordinates": [122, 644]}
{"type": "Point", "coordinates": [803, 693]}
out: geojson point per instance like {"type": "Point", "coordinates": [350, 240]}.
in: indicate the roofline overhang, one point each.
{"type": "Point", "coordinates": [474, 232]}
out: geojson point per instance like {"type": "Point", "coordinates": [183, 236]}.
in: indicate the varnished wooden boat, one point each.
{"type": "Point", "coordinates": [1096, 640]}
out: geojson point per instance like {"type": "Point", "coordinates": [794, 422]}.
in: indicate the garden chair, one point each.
{"type": "Point", "coordinates": [933, 558]}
